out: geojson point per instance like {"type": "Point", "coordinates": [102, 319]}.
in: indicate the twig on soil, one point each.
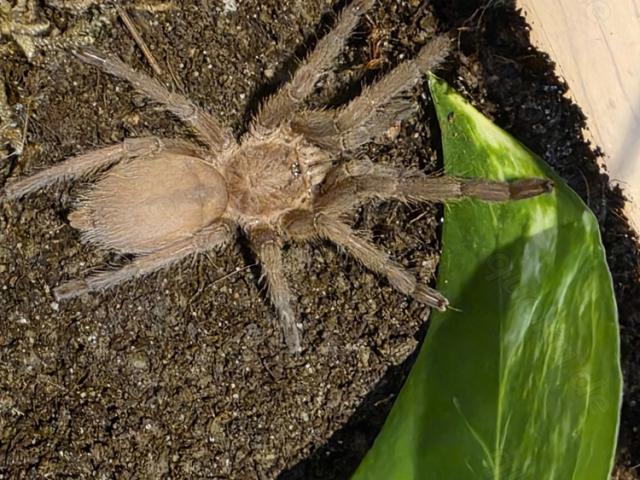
{"type": "Point", "coordinates": [128, 22]}
{"type": "Point", "coordinates": [221, 279]}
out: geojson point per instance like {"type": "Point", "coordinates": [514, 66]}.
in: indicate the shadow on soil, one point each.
{"type": "Point", "coordinates": [343, 452]}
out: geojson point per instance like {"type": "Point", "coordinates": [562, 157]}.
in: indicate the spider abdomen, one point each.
{"type": "Point", "coordinates": [145, 204]}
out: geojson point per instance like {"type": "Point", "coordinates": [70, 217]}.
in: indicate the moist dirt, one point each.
{"type": "Point", "coordinates": [184, 374]}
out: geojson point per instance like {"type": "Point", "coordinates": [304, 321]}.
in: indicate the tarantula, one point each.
{"type": "Point", "coordinates": [288, 179]}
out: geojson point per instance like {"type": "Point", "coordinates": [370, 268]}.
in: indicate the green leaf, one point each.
{"type": "Point", "coordinates": [521, 379]}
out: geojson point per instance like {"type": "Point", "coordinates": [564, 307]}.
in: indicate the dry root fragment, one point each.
{"type": "Point", "coordinates": [26, 27]}
{"type": "Point", "coordinates": [11, 136]}
{"type": "Point", "coordinates": [82, 5]}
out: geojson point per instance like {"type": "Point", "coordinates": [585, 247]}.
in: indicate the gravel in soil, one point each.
{"type": "Point", "coordinates": [183, 374]}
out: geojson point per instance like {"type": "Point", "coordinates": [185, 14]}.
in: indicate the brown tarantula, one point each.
{"type": "Point", "coordinates": [288, 179]}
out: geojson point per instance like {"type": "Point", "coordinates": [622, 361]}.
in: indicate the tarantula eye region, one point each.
{"type": "Point", "coordinates": [296, 171]}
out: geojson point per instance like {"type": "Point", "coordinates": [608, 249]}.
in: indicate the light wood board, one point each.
{"type": "Point", "coordinates": [596, 47]}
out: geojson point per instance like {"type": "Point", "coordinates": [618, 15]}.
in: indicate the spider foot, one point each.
{"type": "Point", "coordinates": [530, 187]}
{"type": "Point", "coordinates": [496, 191]}
{"type": "Point", "coordinates": [71, 289]}
{"type": "Point", "coordinates": [431, 297]}
{"type": "Point", "coordinates": [292, 334]}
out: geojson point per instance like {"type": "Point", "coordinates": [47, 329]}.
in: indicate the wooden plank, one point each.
{"type": "Point", "coordinates": [596, 47]}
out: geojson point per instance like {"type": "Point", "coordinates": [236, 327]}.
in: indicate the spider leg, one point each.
{"type": "Point", "coordinates": [385, 183]}
{"type": "Point", "coordinates": [385, 102]}
{"type": "Point", "coordinates": [378, 107]}
{"type": "Point", "coordinates": [264, 242]}
{"type": "Point", "coordinates": [305, 225]}
{"type": "Point", "coordinates": [209, 130]}
{"type": "Point", "coordinates": [91, 162]}
{"type": "Point", "coordinates": [215, 235]}
{"type": "Point", "coordinates": [282, 104]}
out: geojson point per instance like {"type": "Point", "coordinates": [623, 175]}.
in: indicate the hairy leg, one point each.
{"type": "Point", "coordinates": [377, 108]}
{"type": "Point", "coordinates": [385, 102]}
{"type": "Point", "coordinates": [264, 243]}
{"type": "Point", "coordinates": [384, 183]}
{"type": "Point", "coordinates": [209, 130]}
{"type": "Point", "coordinates": [216, 235]}
{"type": "Point", "coordinates": [96, 160]}
{"type": "Point", "coordinates": [281, 105]}
{"type": "Point", "coordinates": [303, 225]}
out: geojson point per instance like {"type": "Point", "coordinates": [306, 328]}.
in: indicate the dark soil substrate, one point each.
{"type": "Point", "coordinates": [184, 374]}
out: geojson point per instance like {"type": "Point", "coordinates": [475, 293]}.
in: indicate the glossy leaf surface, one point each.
{"type": "Point", "coordinates": [521, 379]}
